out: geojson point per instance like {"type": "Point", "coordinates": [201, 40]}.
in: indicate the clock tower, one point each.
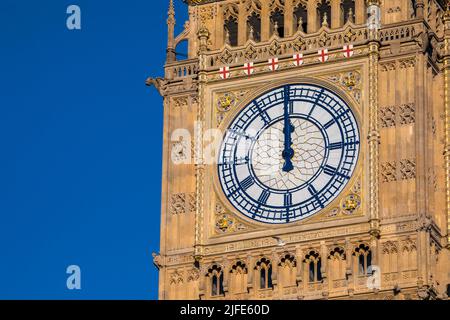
{"type": "Point", "coordinates": [306, 151]}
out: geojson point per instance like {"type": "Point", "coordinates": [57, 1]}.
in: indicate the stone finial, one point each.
{"type": "Point", "coordinates": [171, 12]}
{"type": "Point", "coordinates": [251, 35]}
{"type": "Point", "coordinates": [171, 56]}
{"type": "Point", "coordinates": [275, 29]}
{"type": "Point", "coordinates": [300, 24]}
{"type": "Point", "coordinates": [227, 36]}
{"type": "Point", "coordinates": [350, 15]}
{"type": "Point", "coordinates": [203, 35]}
{"type": "Point", "coordinates": [325, 20]}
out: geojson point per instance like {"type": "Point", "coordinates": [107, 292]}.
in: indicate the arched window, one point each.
{"type": "Point", "coordinates": [301, 18]}
{"type": "Point", "coordinates": [363, 256]}
{"type": "Point", "coordinates": [348, 11]}
{"type": "Point", "coordinates": [336, 264]}
{"type": "Point", "coordinates": [287, 270]}
{"type": "Point", "coordinates": [324, 13]}
{"type": "Point", "coordinates": [254, 27]}
{"type": "Point", "coordinates": [313, 264]}
{"type": "Point", "coordinates": [231, 31]}
{"type": "Point", "coordinates": [238, 279]}
{"type": "Point", "coordinates": [265, 273]}
{"type": "Point", "coordinates": [277, 23]}
{"type": "Point", "coordinates": [216, 277]}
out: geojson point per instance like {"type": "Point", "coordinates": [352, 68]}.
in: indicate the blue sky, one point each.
{"type": "Point", "coordinates": [81, 134]}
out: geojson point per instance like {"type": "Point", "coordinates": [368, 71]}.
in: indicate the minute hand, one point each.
{"type": "Point", "coordinates": [288, 152]}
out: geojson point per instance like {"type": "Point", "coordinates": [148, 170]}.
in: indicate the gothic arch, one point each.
{"type": "Point", "coordinates": [277, 18]}
{"type": "Point", "coordinates": [238, 277]}
{"type": "Point", "coordinates": [300, 16]}
{"type": "Point", "coordinates": [253, 9]}
{"type": "Point", "coordinates": [337, 263]}
{"type": "Point", "coordinates": [362, 259]}
{"type": "Point", "coordinates": [313, 265]}
{"type": "Point", "coordinates": [287, 270]}
{"type": "Point", "coordinates": [390, 257]}
{"type": "Point", "coordinates": [347, 11]}
{"type": "Point", "coordinates": [409, 255]}
{"type": "Point", "coordinates": [216, 279]}
{"type": "Point", "coordinates": [263, 270]}
{"type": "Point", "coordinates": [324, 13]}
{"type": "Point", "coordinates": [231, 18]}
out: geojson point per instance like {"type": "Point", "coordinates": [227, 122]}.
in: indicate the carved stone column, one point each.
{"type": "Point", "coordinates": [447, 115]}
{"type": "Point", "coordinates": [250, 274]}
{"type": "Point", "coordinates": [324, 268]}
{"type": "Point", "coordinates": [312, 16]}
{"type": "Point", "coordinates": [349, 261]}
{"type": "Point", "coordinates": [220, 26]}
{"type": "Point", "coordinates": [203, 37]}
{"type": "Point", "coordinates": [374, 131]}
{"type": "Point", "coordinates": [420, 9]}
{"type": "Point", "coordinates": [242, 24]}
{"type": "Point", "coordinates": [336, 16]}
{"type": "Point", "coordinates": [265, 21]}
{"type": "Point", "coordinates": [288, 19]}
{"type": "Point", "coordinates": [360, 12]}
{"type": "Point", "coordinates": [170, 56]}
{"type": "Point", "coordinates": [274, 262]}
{"type": "Point", "coordinates": [226, 276]}
{"type": "Point", "coordinates": [299, 273]}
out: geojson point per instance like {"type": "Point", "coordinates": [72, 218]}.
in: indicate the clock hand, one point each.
{"type": "Point", "coordinates": [288, 152]}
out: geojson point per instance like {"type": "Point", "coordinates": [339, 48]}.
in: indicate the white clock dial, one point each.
{"type": "Point", "coordinates": [289, 153]}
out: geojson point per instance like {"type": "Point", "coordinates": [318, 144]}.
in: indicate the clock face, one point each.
{"type": "Point", "coordinates": [288, 153]}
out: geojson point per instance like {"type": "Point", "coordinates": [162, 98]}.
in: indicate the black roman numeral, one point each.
{"type": "Point", "coordinates": [247, 183]}
{"type": "Point", "coordinates": [288, 199]}
{"type": "Point", "coordinates": [335, 146]}
{"type": "Point", "coordinates": [264, 197]}
{"type": "Point", "coordinates": [329, 170]}
{"type": "Point", "coordinates": [329, 124]}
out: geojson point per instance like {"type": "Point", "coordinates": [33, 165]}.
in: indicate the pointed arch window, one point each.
{"type": "Point", "coordinates": [277, 23]}
{"type": "Point", "coordinates": [231, 31]}
{"type": "Point", "coordinates": [287, 270]}
{"type": "Point", "coordinates": [216, 280]}
{"type": "Point", "coordinates": [238, 279]}
{"type": "Point", "coordinates": [324, 13]}
{"type": "Point", "coordinates": [301, 18]}
{"type": "Point", "coordinates": [314, 265]}
{"type": "Point", "coordinates": [348, 11]}
{"type": "Point", "coordinates": [265, 273]}
{"type": "Point", "coordinates": [363, 257]}
{"type": "Point", "coordinates": [337, 263]}
{"type": "Point", "coordinates": [254, 27]}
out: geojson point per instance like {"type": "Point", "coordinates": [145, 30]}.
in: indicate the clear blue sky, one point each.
{"type": "Point", "coordinates": [80, 161]}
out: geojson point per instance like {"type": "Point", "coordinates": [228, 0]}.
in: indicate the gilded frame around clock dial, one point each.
{"type": "Point", "coordinates": [289, 153]}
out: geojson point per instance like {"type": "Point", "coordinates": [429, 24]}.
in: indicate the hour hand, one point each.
{"type": "Point", "coordinates": [288, 152]}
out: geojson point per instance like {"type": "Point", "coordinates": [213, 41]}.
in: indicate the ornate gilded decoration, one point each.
{"type": "Point", "coordinates": [350, 81]}
{"type": "Point", "coordinates": [351, 203]}
{"type": "Point", "coordinates": [226, 102]}
{"type": "Point", "coordinates": [224, 223]}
